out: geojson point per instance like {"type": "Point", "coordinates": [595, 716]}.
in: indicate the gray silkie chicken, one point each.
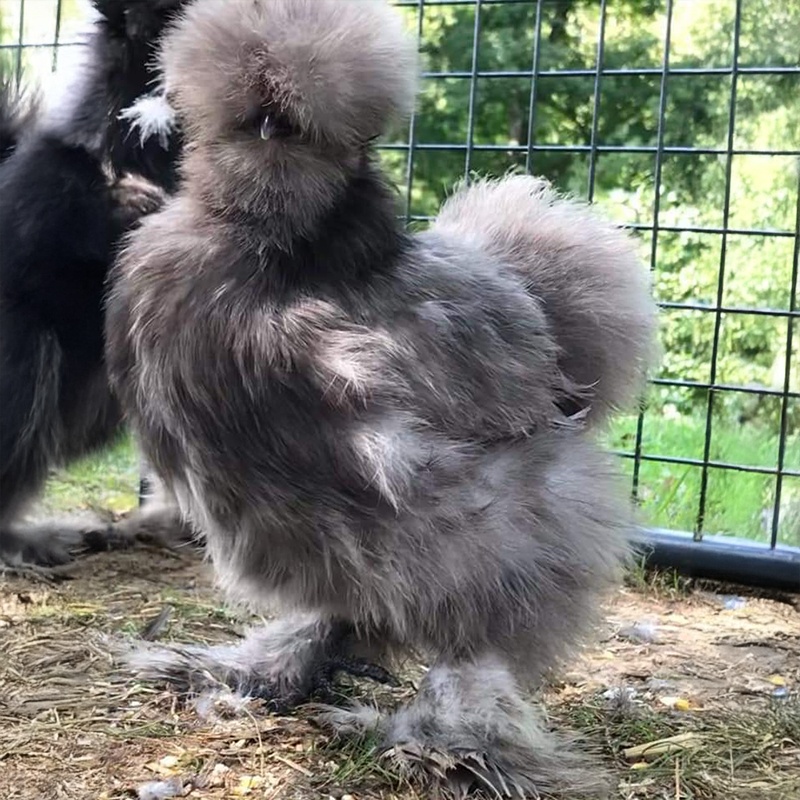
{"type": "Point", "coordinates": [389, 435]}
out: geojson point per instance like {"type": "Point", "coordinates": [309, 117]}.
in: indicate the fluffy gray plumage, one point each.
{"type": "Point", "coordinates": [387, 434]}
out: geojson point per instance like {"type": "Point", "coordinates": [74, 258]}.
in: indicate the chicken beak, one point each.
{"type": "Point", "coordinates": [266, 128]}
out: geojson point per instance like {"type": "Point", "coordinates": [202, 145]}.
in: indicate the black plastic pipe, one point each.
{"type": "Point", "coordinates": [722, 558]}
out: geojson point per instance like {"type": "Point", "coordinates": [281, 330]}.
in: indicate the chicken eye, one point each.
{"type": "Point", "coordinates": [268, 123]}
{"type": "Point", "coordinates": [275, 126]}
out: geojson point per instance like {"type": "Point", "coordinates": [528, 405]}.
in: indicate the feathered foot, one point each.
{"type": "Point", "coordinates": [470, 730]}
{"type": "Point", "coordinates": [284, 663]}
{"type": "Point", "coordinates": [38, 546]}
{"type": "Point", "coordinates": [35, 558]}
{"type": "Point", "coordinates": [36, 551]}
{"type": "Point", "coordinates": [135, 197]}
{"type": "Point", "coordinates": [154, 523]}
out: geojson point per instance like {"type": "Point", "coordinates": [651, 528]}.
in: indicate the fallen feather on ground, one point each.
{"type": "Point", "coordinates": [161, 790]}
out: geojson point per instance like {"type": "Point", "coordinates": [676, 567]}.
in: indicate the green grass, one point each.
{"type": "Point", "coordinates": [358, 763]}
{"type": "Point", "coordinates": [108, 480]}
{"type": "Point", "coordinates": [737, 503]}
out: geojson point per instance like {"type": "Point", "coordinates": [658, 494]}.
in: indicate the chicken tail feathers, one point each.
{"type": "Point", "coordinates": [585, 271]}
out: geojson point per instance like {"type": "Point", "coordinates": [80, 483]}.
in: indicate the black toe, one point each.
{"type": "Point", "coordinates": [324, 678]}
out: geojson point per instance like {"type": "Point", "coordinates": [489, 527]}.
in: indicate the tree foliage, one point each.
{"type": "Point", "coordinates": [692, 193]}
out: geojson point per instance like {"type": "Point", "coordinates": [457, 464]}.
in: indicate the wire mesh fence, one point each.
{"type": "Point", "coordinates": [680, 119]}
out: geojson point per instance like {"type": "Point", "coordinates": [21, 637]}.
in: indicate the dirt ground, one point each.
{"type": "Point", "coordinates": [718, 670]}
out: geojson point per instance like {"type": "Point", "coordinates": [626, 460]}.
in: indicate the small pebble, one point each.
{"type": "Point", "coordinates": [218, 775]}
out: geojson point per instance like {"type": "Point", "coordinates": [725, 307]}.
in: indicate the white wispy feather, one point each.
{"type": "Point", "coordinates": [152, 116]}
